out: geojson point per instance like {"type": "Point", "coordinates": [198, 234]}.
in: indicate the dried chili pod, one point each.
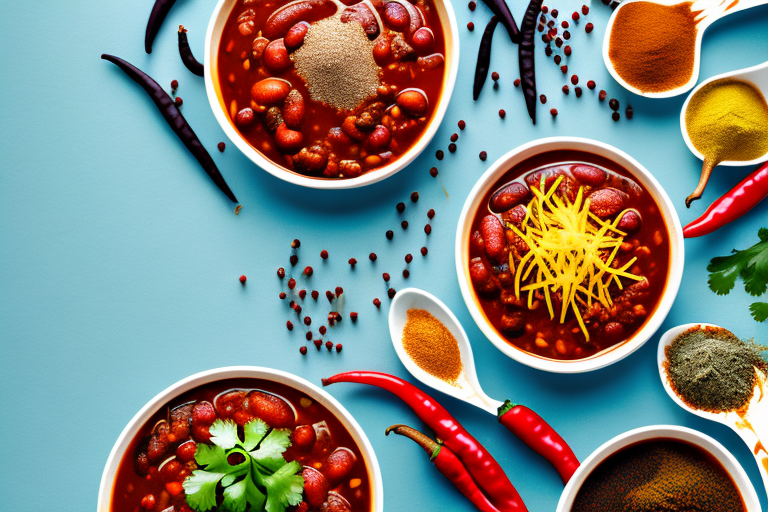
{"type": "Point", "coordinates": [175, 119]}
{"type": "Point", "coordinates": [484, 57]}
{"type": "Point", "coordinates": [526, 57]}
{"type": "Point", "coordinates": [185, 51]}
{"type": "Point", "coordinates": [500, 9]}
{"type": "Point", "coordinates": [156, 17]}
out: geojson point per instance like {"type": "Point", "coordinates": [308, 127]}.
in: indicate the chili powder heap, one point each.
{"type": "Point", "coordinates": [659, 475]}
{"type": "Point", "coordinates": [432, 346]}
{"type": "Point", "coordinates": [653, 47]}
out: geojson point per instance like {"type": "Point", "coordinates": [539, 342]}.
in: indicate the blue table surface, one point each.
{"type": "Point", "coordinates": [119, 258]}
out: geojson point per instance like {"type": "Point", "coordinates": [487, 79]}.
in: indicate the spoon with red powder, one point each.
{"type": "Point", "coordinates": [653, 48]}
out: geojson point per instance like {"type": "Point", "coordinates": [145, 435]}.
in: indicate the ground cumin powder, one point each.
{"type": "Point", "coordinates": [659, 475]}
{"type": "Point", "coordinates": [432, 346]}
{"type": "Point", "coordinates": [652, 47]}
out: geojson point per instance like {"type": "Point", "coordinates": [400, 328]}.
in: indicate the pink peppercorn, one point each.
{"type": "Point", "coordinates": [470, 26]}
{"type": "Point", "coordinates": [377, 302]}
{"type": "Point", "coordinates": [353, 316]}
{"type": "Point", "coordinates": [338, 347]}
{"type": "Point", "coordinates": [289, 325]}
{"type": "Point", "coordinates": [424, 251]}
{"type": "Point", "coordinates": [303, 351]}
{"type": "Point", "coordinates": [291, 283]}
{"type": "Point", "coordinates": [591, 85]}
{"type": "Point", "coordinates": [324, 254]}
{"type": "Point", "coordinates": [588, 28]}
{"type": "Point", "coordinates": [308, 271]}
{"type": "Point", "coordinates": [243, 279]}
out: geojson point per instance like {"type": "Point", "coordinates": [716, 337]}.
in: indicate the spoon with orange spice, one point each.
{"type": "Point", "coordinates": [749, 420]}
{"type": "Point", "coordinates": [653, 47]}
{"type": "Point", "coordinates": [433, 346]}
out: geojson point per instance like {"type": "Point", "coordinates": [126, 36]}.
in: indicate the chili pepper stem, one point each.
{"type": "Point", "coordinates": [706, 172]}
{"type": "Point", "coordinates": [430, 446]}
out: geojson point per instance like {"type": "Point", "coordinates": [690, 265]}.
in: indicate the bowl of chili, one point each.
{"type": "Point", "coordinates": [294, 87]}
{"type": "Point", "coordinates": [624, 458]}
{"type": "Point", "coordinates": [226, 393]}
{"type": "Point", "coordinates": [627, 242]}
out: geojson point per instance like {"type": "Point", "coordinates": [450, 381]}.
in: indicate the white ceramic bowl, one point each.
{"type": "Point", "coordinates": [234, 372]}
{"type": "Point", "coordinates": [213, 38]}
{"type": "Point", "coordinates": [674, 233]}
{"type": "Point", "coordinates": [703, 441]}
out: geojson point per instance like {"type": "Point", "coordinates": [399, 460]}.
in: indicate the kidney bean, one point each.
{"type": "Point", "coordinates": [338, 138]}
{"type": "Point", "coordinates": [304, 437]}
{"type": "Point", "coordinates": [607, 202]}
{"type": "Point", "coordinates": [381, 51]}
{"type": "Point", "coordinates": [158, 444]}
{"type": "Point", "coordinates": [477, 271]}
{"type": "Point", "coordinates": [295, 35]}
{"type": "Point", "coordinates": [276, 56]}
{"type": "Point", "coordinates": [433, 61]}
{"type": "Point", "coordinates": [246, 22]}
{"type": "Point", "coordinates": [589, 175]}
{"type": "Point", "coordinates": [258, 46]}
{"type": "Point", "coordinates": [630, 222]}
{"type": "Point", "coordinates": [280, 21]}
{"type": "Point", "coordinates": [508, 196]}
{"type": "Point", "coordinates": [201, 433]}
{"type": "Point", "coordinates": [186, 451]}
{"type": "Point", "coordinates": [396, 17]}
{"type": "Point", "coordinates": [339, 464]}
{"type": "Point", "coordinates": [350, 168]}
{"type": "Point", "coordinates": [362, 14]}
{"type": "Point", "coordinates": [270, 91]}
{"type": "Point", "coordinates": [422, 40]}
{"type": "Point", "coordinates": [289, 141]}
{"type": "Point", "coordinates": [180, 417]}
{"type": "Point", "coordinates": [245, 117]}
{"type": "Point", "coordinates": [614, 330]}
{"type": "Point", "coordinates": [413, 102]}
{"type": "Point", "coordinates": [493, 236]}
{"type": "Point", "coordinates": [315, 486]}
{"type": "Point", "coordinates": [415, 19]}
{"type": "Point", "coordinates": [336, 503]}
{"type": "Point", "coordinates": [170, 471]}
{"type": "Point", "coordinates": [379, 138]}
{"type": "Point", "coordinates": [516, 215]}
{"type": "Point", "coordinates": [293, 110]}
{"type": "Point", "coordinates": [203, 413]}
{"type": "Point", "coordinates": [550, 176]}
{"type": "Point", "coordinates": [272, 409]}
{"type": "Point", "coordinates": [477, 241]}
{"type": "Point", "coordinates": [229, 403]}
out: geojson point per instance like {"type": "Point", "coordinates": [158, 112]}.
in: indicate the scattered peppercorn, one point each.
{"type": "Point", "coordinates": [544, 9]}
{"type": "Point", "coordinates": [567, 36]}
{"type": "Point", "coordinates": [566, 90]}
{"type": "Point", "coordinates": [322, 330]}
{"type": "Point", "coordinates": [408, 258]}
{"type": "Point", "coordinates": [174, 85]}
{"type": "Point", "coordinates": [431, 213]}
{"type": "Point", "coordinates": [567, 50]}
{"type": "Point", "coordinates": [338, 347]}
{"type": "Point", "coordinates": [553, 111]}
{"type": "Point", "coordinates": [315, 294]}
{"type": "Point", "coordinates": [584, 10]}
{"type": "Point", "coordinates": [404, 224]}
{"type": "Point", "coordinates": [424, 251]}
{"type": "Point", "coordinates": [470, 26]}
{"type": "Point", "coordinates": [222, 146]}
{"type": "Point", "coordinates": [414, 197]}
{"type": "Point", "coordinates": [502, 113]}
{"type": "Point", "coordinates": [291, 283]}
{"type": "Point", "coordinates": [281, 272]}
{"type": "Point", "coordinates": [574, 79]}
{"type": "Point", "coordinates": [495, 76]}
{"type": "Point", "coordinates": [428, 229]}
{"type": "Point", "coordinates": [372, 256]}
{"type": "Point", "coordinates": [564, 69]}
{"type": "Point", "coordinates": [558, 59]}
{"type": "Point", "coordinates": [558, 42]}
{"type": "Point", "coordinates": [452, 147]}
{"type": "Point", "coordinates": [547, 51]}
{"type": "Point", "coordinates": [575, 16]}
{"type": "Point", "coordinates": [400, 207]}
{"type": "Point", "coordinates": [551, 24]}
{"type": "Point", "coordinates": [406, 273]}
{"type": "Point", "coordinates": [303, 294]}
{"type": "Point", "coordinates": [390, 234]}
{"type": "Point", "coordinates": [602, 95]}
{"type": "Point", "coordinates": [454, 137]}
{"type": "Point", "coordinates": [242, 279]}
{"type": "Point", "coordinates": [591, 85]}
{"type": "Point", "coordinates": [439, 154]}
{"type": "Point", "coordinates": [324, 254]}
{"type": "Point", "coordinates": [329, 345]}
{"type": "Point", "coordinates": [588, 28]}
{"type": "Point", "coordinates": [554, 13]}
{"type": "Point", "coordinates": [297, 309]}
{"type": "Point", "coordinates": [318, 344]}
{"type": "Point", "coordinates": [614, 104]}
{"type": "Point", "coordinates": [303, 350]}
{"type": "Point", "coordinates": [339, 290]}
{"type": "Point", "coordinates": [296, 243]}
{"type": "Point", "coordinates": [308, 271]}
{"type": "Point", "coordinates": [377, 302]}
{"type": "Point", "coordinates": [329, 295]}
{"type": "Point", "coordinates": [462, 124]}
{"type": "Point", "coordinates": [353, 316]}
{"type": "Point", "coordinates": [294, 259]}
{"type": "Point", "coordinates": [517, 82]}
{"type": "Point", "coordinates": [179, 102]}
{"type": "Point", "coordinates": [282, 295]}
{"type": "Point", "coordinates": [472, 6]}
{"type": "Point", "coordinates": [565, 24]}
{"type": "Point", "coordinates": [385, 276]}
{"type": "Point", "coordinates": [308, 335]}
{"type": "Point", "coordinates": [352, 262]}
{"type": "Point", "coordinates": [616, 116]}
{"type": "Point", "coordinates": [577, 90]}
{"type": "Point", "coordinates": [629, 112]}
{"type": "Point", "coordinates": [289, 325]}
{"type": "Point", "coordinates": [483, 155]}
{"type": "Point", "coordinates": [433, 172]}
{"type": "Point", "coordinates": [391, 293]}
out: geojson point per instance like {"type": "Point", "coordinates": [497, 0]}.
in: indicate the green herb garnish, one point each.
{"type": "Point", "coordinates": [751, 265]}
{"type": "Point", "coordinates": [264, 480]}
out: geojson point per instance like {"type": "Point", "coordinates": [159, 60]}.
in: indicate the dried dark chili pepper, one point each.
{"type": "Point", "coordinates": [531, 429]}
{"type": "Point", "coordinates": [156, 18]}
{"type": "Point", "coordinates": [525, 56]}
{"type": "Point", "coordinates": [732, 205]}
{"type": "Point", "coordinates": [185, 51]}
{"type": "Point", "coordinates": [175, 119]}
{"type": "Point", "coordinates": [480, 464]}
{"type": "Point", "coordinates": [500, 9]}
{"type": "Point", "coordinates": [449, 465]}
{"type": "Point", "coordinates": [484, 57]}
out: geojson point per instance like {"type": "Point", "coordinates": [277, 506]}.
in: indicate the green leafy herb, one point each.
{"type": "Point", "coordinates": [751, 265]}
{"type": "Point", "coordinates": [264, 480]}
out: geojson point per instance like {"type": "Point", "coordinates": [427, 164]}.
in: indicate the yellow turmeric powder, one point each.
{"type": "Point", "coordinates": [727, 120]}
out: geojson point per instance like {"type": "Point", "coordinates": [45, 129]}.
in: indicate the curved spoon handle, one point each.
{"type": "Point", "coordinates": [713, 10]}
{"type": "Point", "coordinates": [531, 429]}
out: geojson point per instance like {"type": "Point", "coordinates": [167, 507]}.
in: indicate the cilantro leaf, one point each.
{"type": "Point", "coordinates": [285, 488]}
{"type": "Point", "coordinates": [759, 311]}
{"type": "Point", "coordinates": [224, 434]}
{"type": "Point", "coordinates": [254, 496]}
{"type": "Point", "coordinates": [214, 457]}
{"type": "Point", "coordinates": [234, 497]}
{"type": "Point", "coordinates": [273, 446]}
{"type": "Point", "coordinates": [254, 433]}
{"type": "Point", "coordinates": [200, 488]}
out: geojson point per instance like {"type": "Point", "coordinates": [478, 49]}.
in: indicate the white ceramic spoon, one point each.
{"type": "Point", "coordinates": [751, 426]}
{"type": "Point", "coordinates": [467, 387]}
{"type": "Point", "coordinates": [711, 11]}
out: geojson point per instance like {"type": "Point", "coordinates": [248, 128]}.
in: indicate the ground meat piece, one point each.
{"type": "Point", "coordinates": [311, 160]}
{"type": "Point", "coordinates": [513, 323]}
{"type": "Point", "coordinates": [401, 50]}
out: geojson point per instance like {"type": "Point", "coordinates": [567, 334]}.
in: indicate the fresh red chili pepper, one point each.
{"type": "Point", "coordinates": [531, 429]}
{"type": "Point", "coordinates": [449, 465]}
{"type": "Point", "coordinates": [480, 464]}
{"type": "Point", "coordinates": [732, 205]}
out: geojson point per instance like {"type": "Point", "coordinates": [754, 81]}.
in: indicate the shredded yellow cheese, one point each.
{"type": "Point", "coordinates": [571, 250]}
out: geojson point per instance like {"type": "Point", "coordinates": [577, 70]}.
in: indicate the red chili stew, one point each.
{"type": "Point", "coordinates": [162, 455]}
{"type": "Point", "coordinates": [536, 245]}
{"type": "Point", "coordinates": [330, 89]}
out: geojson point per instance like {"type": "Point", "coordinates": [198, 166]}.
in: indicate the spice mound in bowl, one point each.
{"type": "Point", "coordinates": [320, 90]}
{"type": "Point", "coordinates": [711, 369]}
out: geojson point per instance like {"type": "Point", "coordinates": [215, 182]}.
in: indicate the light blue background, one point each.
{"type": "Point", "coordinates": [119, 258]}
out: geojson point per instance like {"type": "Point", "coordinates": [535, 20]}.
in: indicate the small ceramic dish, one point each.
{"type": "Point", "coordinates": [718, 451]}
{"type": "Point", "coordinates": [212, 41]}
{"type": "Point", "coordinates": [234, 372]}
{"type": "Point", "coordinates": [674, 234]}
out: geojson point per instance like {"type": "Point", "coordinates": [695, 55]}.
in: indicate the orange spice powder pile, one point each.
{"type": "Point", "coordinates": [652, 47]}
{"type": "Point", "coordinates": [432, 346]}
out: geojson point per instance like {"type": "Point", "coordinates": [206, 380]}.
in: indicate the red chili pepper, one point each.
{"type": "Point", "coordinates": [480, 464]}
{"type": "Point", "coordinates": [449, 465]}
{"type": "Point", "coordinates": [732, 205]}
{"type": "Point", "coordinates": [531, 429]}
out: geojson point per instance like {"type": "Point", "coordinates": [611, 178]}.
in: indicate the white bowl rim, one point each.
{"type": "Point", "coordinates": [452, 69]}
{"type": "Point", "coordinates": [234, 372]}
{"type": "Point", "coordinates": [676, 242]}
{"type": "Point", "coordinates": [699, 439]}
